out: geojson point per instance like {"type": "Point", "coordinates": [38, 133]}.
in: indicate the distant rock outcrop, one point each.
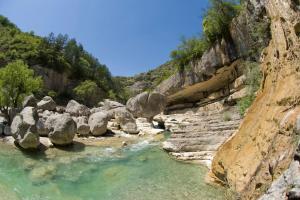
{"type": "Point", "coordinates": [146, 104]}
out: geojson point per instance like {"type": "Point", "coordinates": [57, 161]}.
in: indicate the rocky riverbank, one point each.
{"type": "Point", "coordinates": [44, 124]}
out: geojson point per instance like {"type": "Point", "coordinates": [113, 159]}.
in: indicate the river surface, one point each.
{"type": "Point", "coordinates": [139, 172]}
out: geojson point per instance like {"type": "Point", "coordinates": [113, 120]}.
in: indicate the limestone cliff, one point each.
{"type": "Point", "coordinates": [217, 69]}
{"type": "Point", "coordinates": [265, 143]}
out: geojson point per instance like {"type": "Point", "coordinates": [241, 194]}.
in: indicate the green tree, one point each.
{"type": "Point", "coordinates": [218, 18]}
{"type": "Point", "coordinates": [86, 91]}
{"type": "Point", "coordinates": [16, 82]}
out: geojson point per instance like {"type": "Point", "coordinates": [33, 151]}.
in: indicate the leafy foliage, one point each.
{"type": "Point", "coordinates": [59, 53]}
{"type": "Point", "coordinates": [86, 91]}
{"type": "Point", "coordinates": [218, 18]}
{"type": "Point", "coordinates": [16, 82]}
{"type": "Point", "coordinates": [253, 80]}
{"type": "Point", "coordinates": [215, 26]}
{"type": "Point", "coordinates": [189, 50]}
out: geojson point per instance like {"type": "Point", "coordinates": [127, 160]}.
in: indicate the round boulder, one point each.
{"type": "Point", "coordinates": [146, 104]}
{"type": "Point", "coordinates": [98, 123]}
{"type": "Point", "coordinates": [64, 130]}
{"type": "Point", "coordinates": [77, 109]}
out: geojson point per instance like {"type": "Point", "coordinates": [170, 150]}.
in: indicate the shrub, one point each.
{"type": "Point", "coordinates": [218, 18]}
{"type": "Point", "coordinates": [86, 91]}
{"type": "Point", "coordinates": [253, 80]}
{"type": "Point", "coordinates": [188, 51]}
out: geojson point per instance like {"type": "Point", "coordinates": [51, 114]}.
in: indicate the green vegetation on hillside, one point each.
{"type": "Point", "coordinates": [59, 53]}
{"type": "Point", "coordinates": [215, 26]}
{"type": "Point", "coordinates": [16, 81]}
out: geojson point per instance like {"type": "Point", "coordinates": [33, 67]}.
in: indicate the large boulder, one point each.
{"type": "Point", "coordinates": [98, 123]}
{"type": "Point", "coordinates": [63, 129]}
{"type": "Point", "coordinates": [126, 121]}
{"type": "Point", "coordinates": [77, 109]}
{"type": "Point", "coordinates": [23, 129]}
{"type": "Point", "coordinates": [83, 129]}
{"type": "Point", "coordinates": [47, 103]}
{"type": "Point", "coordinates": [29, 101]}
{"type": "Point", "coordinates": [108, 104]}
{"type": "Point", "coordinates": [146, 104]}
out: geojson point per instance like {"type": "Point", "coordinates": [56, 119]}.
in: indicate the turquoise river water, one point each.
{"type": "Point", "coordinates": [138, 172]}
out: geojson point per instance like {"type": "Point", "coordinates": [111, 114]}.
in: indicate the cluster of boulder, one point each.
{"type": "Point", "coordinates": [61, 124]}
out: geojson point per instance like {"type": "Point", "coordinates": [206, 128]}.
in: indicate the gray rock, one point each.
{"type": "Point", "coordinates": [23, 129]}
{"type": "Point", "coordinates": [64, 130]}
{"type": "Point", "coordinates": [77, 109]}
{"type": "Point", "coordinates": [29, 101]}
{"type": "Point", "coordinates": [7, 130]}
{"type": "Point", "coordinates": [108, 104]}
{"type": "Point", "coordinates": [146, 104]}
{"type": "Point", "coordinates": [83, 128]}
{"type": "Point", "coordinates": [42, 129]}
{"type": "Point", "coordinates": [98, 123]}
{"type": "Point", "coordinates": [47, 103]}
{"type": "Point", "coordinates": [126, 121]}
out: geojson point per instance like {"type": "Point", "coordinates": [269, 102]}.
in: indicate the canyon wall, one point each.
{"type": "Point", "coordinates": [265, 143]}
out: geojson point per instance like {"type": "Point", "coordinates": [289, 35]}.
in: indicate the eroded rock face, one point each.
{"type": "Point", "coordinates": [264, 145]}
{"type": "Point", "coordinates": [64, 130]}
{"type": "Point", "coordinates": [77, 109]}
{"type": "Point", "coordinates": [24, 130]}
{"type": "Point", "coordinates": [47, 103]}
{"type": "Point", "coordinates": [98, 123]}
{"type": "Point", "coordinates": [198, 133]}
{"type": "Point", "coordinates": [146, 104]}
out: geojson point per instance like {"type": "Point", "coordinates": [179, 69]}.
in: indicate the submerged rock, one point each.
{"type": "Point", "coordinates": [24, 129]}
{"type": "Point", "coordinates": [98, 123]}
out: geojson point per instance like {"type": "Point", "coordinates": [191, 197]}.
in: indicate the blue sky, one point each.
{"type": "Point", "coordinates": [129, 36]}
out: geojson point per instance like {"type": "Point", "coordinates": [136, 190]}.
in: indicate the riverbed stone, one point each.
{"type": "Point", "coordinates": [146, 104]}
{"type": "Point", "coordinates": [98, 123]}
{"type": "Point", "coordinates": [77, 109]}
{"type": "Point", "coordinates": [126, 121]}
{"type": "Point", "coordinates": [64, 130]}
{"type": "Point", "coordinates": [23, 129]}
{"type": "Point", "coordinates": [47, 103]}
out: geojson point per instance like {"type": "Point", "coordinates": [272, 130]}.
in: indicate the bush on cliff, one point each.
{"type": "Point", "coordinates": [253, 80]}
{"type": "Point", "coordinates": [16, 82]}
{"type": "Point", "coordinates": [215, 24]}
{"type": "Point", "coordinates": [218, 18]}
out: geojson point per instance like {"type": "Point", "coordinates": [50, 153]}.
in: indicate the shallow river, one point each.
{"type": "Point", "coordinates": [139, 172]}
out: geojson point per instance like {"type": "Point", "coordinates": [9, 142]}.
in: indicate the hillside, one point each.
{"type": "Point", "coordinates": [62, 62]}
